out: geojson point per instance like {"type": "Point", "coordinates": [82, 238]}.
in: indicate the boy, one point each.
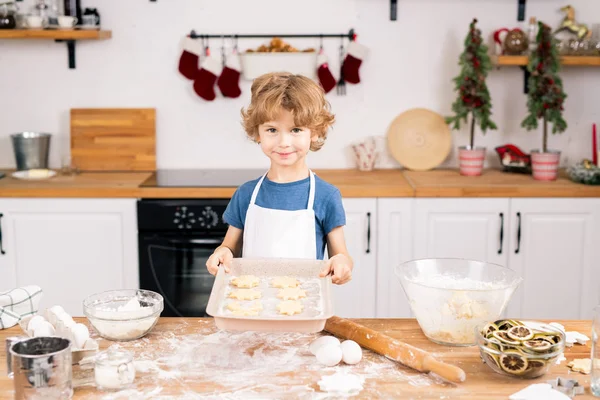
{"type": "Point", "coordinates": [288, 212]}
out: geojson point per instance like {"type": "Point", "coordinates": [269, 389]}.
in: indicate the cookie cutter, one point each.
{"type": "Point", "coordinates": [570, 387]}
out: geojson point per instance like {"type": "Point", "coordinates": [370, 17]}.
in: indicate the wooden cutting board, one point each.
{"type": "Point", "coordinates": [113, 139]}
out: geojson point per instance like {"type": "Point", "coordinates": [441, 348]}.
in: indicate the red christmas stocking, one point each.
{"type": "Point", "coordinates": [204, 84]}
{"type": "Point", "coordinates": [229, 80]}
{"type": "Point", "coordinates": [188, 61]}
{"type": "Point", "coordinates": [354, 57]}
{"type": "Point", "coordinates": [325, 76]}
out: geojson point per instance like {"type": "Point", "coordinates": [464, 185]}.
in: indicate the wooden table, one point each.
{"type": "Point", "coordinates": [186, 357]}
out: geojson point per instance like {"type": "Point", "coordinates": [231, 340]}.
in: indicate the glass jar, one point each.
{"type": "Point", "coordinates": [114, 370]}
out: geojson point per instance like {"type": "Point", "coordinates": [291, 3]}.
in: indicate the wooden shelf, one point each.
{"type": "Point", "coordinates": [590, 61]}
{"type": "Point", "coordinates": [56, 34]}
{"type": "Point", "coordinates": [59, 35]}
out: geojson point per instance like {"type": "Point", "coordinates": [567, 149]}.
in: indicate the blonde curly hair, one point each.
{"type": "Point", "coordinates": [297, 94]}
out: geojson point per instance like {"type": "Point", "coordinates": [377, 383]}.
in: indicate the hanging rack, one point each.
{"type": "Point", "coordinates": [350, 35]}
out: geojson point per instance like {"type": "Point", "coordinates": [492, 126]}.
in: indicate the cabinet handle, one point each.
{"type": "Point", "coordinates": [1, 248]}
{"type": "Point", "coordinates": [501, 232]}
{"type": "Point", "coordinates": [518, 234]}
{"type": "Point", "coordinates": [368, 232]}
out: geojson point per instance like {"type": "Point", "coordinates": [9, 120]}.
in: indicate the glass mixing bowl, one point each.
{"type": "Point", "coordinates": [125, 314]}
{"type": "Point", "coordinates": [450, 297]}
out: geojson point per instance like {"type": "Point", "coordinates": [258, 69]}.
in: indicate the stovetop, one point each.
{"type": "Point", "coordinates": [201, 177]}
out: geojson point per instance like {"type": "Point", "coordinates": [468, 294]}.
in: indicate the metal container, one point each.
{"type": "Point", "coordinates": [31, 150]}
{"type": "Point", "coordinates": [42, 368]}
{"type": "Point", "coordinates": [9, 342]}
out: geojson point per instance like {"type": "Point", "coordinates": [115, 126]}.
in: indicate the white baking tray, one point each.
{"type": "Point", "coordinates": [255, 64]}
{"type": "Point", "coordinates": [318, 304]}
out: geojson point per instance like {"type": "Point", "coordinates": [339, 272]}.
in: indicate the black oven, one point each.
{"type": "Point", "coordinates": [175, 239]}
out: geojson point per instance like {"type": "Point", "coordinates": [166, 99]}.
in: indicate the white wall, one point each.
{"type": "Point", "coordinates": [412, 63]}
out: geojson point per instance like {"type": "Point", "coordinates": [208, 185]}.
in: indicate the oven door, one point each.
{"type": "Point", "coordinates": [174, 265]}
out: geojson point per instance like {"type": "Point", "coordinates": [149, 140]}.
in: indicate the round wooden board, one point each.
{"type": "Point", "coordinates": [419, 139]}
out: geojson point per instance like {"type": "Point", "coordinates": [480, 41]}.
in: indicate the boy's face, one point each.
{"type": "Point", "coordinates": [283, 142]}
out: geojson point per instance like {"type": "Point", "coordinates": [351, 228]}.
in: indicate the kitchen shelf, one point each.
{"type": "Point", "coordinates": [70, 36]}
{"type": "Point", "coordinates": [582, 61]}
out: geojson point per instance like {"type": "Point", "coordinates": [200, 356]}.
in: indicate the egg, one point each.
{"type": "Point", "coordinates": [34, 322]}
{"type": "Point", "coordinates": [329, 354]}
{"type": "Point", "coordinates": [323, 340]}
{"type": "Point", "coordinates": [351, 352]}
{"type": "Point", "coordinates": [80, 334]}
{"type": "Point", "coordinates": [53, 314]}
{"type": "Point", "coordinates": [44, 328]}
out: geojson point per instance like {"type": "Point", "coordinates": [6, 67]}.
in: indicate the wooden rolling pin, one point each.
{"type": "Point", "coordinates": [393, 349]}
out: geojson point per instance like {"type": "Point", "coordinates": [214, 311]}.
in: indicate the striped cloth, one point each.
{"type": "Point", "coordinates": [18, 303]}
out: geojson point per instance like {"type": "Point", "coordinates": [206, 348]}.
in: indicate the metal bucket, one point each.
{"type": "Point", "coordinates": [42, 368]}
{"type": "Point", "coordinates": [31, 150]}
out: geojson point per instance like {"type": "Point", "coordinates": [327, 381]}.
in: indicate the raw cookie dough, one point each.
{"type": "Point", "coordinates": [245, 294]}
{"type": "Point", "coordinates": [285, 282]}
{"type": "Point", "coordinates": [245, 281]}
{"type": "Point", "coordinates": [290, 307]}
{"type": "Point", "coordinates": [293, 293]}
{"type": "Point", "coordinates": [253, 309]}
{"type": "Point", "coordinates": [583, 365]}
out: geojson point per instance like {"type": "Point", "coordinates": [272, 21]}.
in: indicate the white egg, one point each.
{"type": "Point", "coordinates": [53, 314]}
{"type": "Point", "coordinates": [80, 335]}
{"type": "Point", "coordinates": [329, 355]}
{"type": "Point", "coordinates": [44, 328]}
{"type": "Point", "coordinates": [351, 352]}
{"type": "Point", "coordinates": [34, 322]}
{"type": "Point", "coordinates": [323, 340]}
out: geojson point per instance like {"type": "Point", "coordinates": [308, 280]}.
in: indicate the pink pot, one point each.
{"type": "Point", "coordinates": [545, 165]}
{"type": "Point", "coordinates": [470, 161]}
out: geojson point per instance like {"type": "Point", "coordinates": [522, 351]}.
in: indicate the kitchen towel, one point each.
{"type": "Point", "coordinates": [18, 303]}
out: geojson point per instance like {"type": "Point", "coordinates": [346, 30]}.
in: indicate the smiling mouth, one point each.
{"type": "Point", "coordinates": [285, 154]}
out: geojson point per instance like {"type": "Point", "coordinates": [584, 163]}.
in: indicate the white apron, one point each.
{"type": "Point", "coordinates": [271, 233]}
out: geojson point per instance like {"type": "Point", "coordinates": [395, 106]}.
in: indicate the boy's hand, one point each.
{"type": "Point", "coordinates": [222, 255]}
{"type": "Point", "coordinates": [339, 265]}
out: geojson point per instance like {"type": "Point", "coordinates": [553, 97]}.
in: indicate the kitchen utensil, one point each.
{"type": "Point", "coordinates": [8, 344]}
{"type": "Point", "coordinates": [520, 361]}
{"type": "Point", "coordinates": [393, 349]}
{"type": "Point", "coordinates": [123, 315]}
{"type": "Point", "coordinates": [317, 304]}
{"type": "Point", "coordinates": [341, 84]}
{"type": "Point", "coordinates": [451, 297]}
{"type": "Point", "coordinates": [42, 368]}
{"type": "Point", "coordinates": [76, 354]}
{"type": "Point", "coordinates": [419, 139]}
{"type": "Point", "coordinates": [31, 150]}
{"type": "Point", "coordinates": [107, 139]}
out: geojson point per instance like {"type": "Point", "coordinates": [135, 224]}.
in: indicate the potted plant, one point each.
{"type": "Point", "coordinates": [473, 99]}
{"type": "Point", "coordinates": [545, 100]}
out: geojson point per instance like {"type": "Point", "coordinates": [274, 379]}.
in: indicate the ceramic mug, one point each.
{"type": "Point", "coordinates": [34, 21]}
{"type": "Point", "coordinates": [90, 20]}
{"type": "Point", "coordinates": [66, 21]}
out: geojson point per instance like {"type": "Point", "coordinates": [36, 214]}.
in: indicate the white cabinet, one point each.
{"type": "Point", "coordinates": [356, 299]}
{"type": "Point", "coordinates": [71, 248]}
{"type": "Point", "coordinates": [554, 246]}
{"type": "Point", "coordinates": [395, 242]}
{"type": "Point", "coordinates": [462, 228]}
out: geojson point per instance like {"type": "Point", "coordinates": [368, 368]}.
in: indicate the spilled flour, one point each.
{"type": "Point", "coordinates": [212, 364]}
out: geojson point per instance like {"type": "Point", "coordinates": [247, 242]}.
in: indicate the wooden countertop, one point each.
{"type": "Point", "coordinates": [186, 356]}
{"type": "Point", "coordinates": [352, 184]}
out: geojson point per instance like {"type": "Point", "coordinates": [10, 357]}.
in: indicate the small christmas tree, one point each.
{"type": "Point", "coordinates": [473, 96]}
{"type": "Point", "coordinates": [546, 96]}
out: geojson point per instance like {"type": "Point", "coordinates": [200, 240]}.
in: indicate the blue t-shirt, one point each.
{"type": "Point", "coordinates": [328, 207]}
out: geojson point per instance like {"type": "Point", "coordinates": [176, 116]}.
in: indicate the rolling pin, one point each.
{"type": "Point", "coordinates": [393, 349]}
